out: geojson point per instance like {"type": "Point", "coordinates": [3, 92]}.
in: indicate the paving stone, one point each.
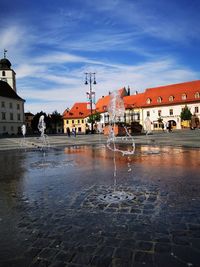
{"type": "Point", "coordinates": [99, 261]}
{"type": "Point", "coordinates": [82, 258]}
{"type": "Point", "coordinates": [167, 260]}
{"type": "Point", "coordinates": [144, 245]}
{"type": "Point", "coordinates": [162, 247]}
{"type": "Point", "coordinates": [116, 262]}
{"type": "Point", "coordinates": [144, 258]}
{"type": "Point", "coordinates": [186, 254]}
{"type": "Point", "coordinates": [123, 253]}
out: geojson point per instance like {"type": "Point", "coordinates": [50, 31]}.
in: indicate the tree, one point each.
{"type": "Point", "coordinates": [95, 117]}
{"type": "Point", "coordinates": [186, 114]}
{"type": "Point", "coordinates": [55, 120]}
{"type": "Point", "coordinates": [34, 122]}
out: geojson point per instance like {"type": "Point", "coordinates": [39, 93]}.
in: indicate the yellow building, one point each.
{"type": "Point", "coordinates": [76, 118]}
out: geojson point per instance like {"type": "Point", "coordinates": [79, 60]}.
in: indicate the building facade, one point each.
{"type": "Point", "coordinates": [77, 117]}
{"type": "Point", "coordinates": [160, 104]}
{"type": "Point", "coordinates": [165, 103]}
{"type": "Point", "coordinates": [11, 104]}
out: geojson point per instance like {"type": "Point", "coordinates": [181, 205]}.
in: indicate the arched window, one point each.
{"type": "Point", "coordinates": [148, 101]}
{"type": "Point", "coordinates": [159, 99]}
{"type": "Point", "coordinates": [184, 96]}
{"type": "Point", "coordinates": [171, 98]}
{"type": "Point", "coordinates": [197, 95]}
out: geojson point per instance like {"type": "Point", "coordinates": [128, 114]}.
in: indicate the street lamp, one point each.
{"type": "Point", "coordinates": [90, 78]}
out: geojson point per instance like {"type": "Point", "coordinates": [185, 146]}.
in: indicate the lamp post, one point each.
{"type": "Point", "coordinates": [91, 79]}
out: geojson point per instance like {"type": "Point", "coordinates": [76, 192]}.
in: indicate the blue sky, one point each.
{"type": "Point", "coordinates": [136, 43]}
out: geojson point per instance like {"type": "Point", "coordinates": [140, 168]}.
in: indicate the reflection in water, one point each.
{"type": "Point", "coordinates": [30, 199]}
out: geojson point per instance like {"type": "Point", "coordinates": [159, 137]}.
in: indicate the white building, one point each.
{"type": "Point", "coordinates": [167, 103]}
{"type": "Point", "coordinates": [11, 105]}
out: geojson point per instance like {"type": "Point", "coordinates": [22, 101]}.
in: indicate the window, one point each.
{"type": "Point", "coordinates": [196, 109]}
{"type": "Point", "coordinates": [67, 122]}
{"type": "Point", "coordinates": [148, 101]}
{"type": "Point", "coordinates": [159, 113]}
{"type": "Point", "coordinates": [184, 96]}
{"type": "Point", "coordinates": [3, 73]}
{"type": "Point", "coordinates": [159, 100]}
{"type": "Point", "coordinates": [78, 121]}
{"type": "Point", "coordinates": [10, 105]}
{"type": "Point", "coordinates": [148, 113]}
{"type": "Point", "coordinates": [18, 116]}
{"type": "Point", "coordinates": [171, 98]}
{"type": "Point", "coordinates": [3, 104]}
{"type": "Point", "coordinates": [18, 106]}
{"type": "Point", "coordinates": [72, 121]}
{"type": "Point", "coordinates": [3, 115]}
{"type": "Point", "coordinates": [12, 128]}
{"type": "Point", "coordinates": [197, 95]}
{"type": "Point", "coordinates": [11, 116]}
{"type": "Point", "coordinates": [171, 112]}
{"type": "Point", "coordinates": [82, 121]}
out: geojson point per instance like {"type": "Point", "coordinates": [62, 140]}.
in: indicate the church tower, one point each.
{"type": "Point", "coordinates": [6, 73]}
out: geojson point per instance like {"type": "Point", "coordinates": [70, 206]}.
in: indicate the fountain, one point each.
{"type": "Point", "coordinates": [23, 130]}
{"type": "Point", "coordinates": [116, 112]}
{"type": "Point", "coordinates": [147, 124]}
{"type": "Point", "coordinates": [43, 136]}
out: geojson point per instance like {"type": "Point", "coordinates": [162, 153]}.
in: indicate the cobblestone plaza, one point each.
{"type": "Point", "coordinates": [52, 212]}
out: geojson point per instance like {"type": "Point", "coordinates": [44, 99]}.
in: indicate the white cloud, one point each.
{"type": "Point", "coordinates": [109, 78]}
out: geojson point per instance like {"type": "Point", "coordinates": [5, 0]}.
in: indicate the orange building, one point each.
{"type": "Point", "coordinates": [77, 117]}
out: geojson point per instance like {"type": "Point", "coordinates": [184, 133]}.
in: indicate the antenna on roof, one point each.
{"type": "Point", "coordinates": [4, 52]}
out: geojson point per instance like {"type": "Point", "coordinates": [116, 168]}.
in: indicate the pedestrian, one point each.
{"type": "Point", "coordinates": [74, 131]}
{"type": "Point", "coordinates": [68, 132]}
{"type": "Point", "coordinates": [163, 126]}
{"type": "Point", "coordinates": [170, 126]}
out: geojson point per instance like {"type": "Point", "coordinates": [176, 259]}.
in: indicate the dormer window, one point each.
{"type": "Point", "coordinates": [184, 96]}
{"type": "Point", "coordinates": [197, 95]}
{"type": "Point", "coordinates": [148, 101]}
{"type": "Point", "coordinates": [171, 98]}
{"type": "Point", "coordinates": [159, 99]}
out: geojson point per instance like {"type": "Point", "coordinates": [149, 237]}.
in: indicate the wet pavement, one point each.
{"type": "Point", "coordinates": [55, 209]}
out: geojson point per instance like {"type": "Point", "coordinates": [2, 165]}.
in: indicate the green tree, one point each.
{"type": "Point", "coordinates": [186, 114]}
{"type": "Point", "coordinates": [95, 117]}
{"type": "Point", "coordinates": [55, 120]}
{"type": "Point", "coordinates": [34, 123]}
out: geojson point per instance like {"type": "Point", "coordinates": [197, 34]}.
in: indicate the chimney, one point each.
{"type": "Point", "coordinates": [128, 90]}
{"type": "Point", "coordinates": [136, 92]}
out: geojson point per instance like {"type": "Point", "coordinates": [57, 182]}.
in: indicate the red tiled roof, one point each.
{"type": "Point", "coordinates": [174, 90]}
{"type": "Point", "coordinates": [79, 110]}
{"type": "Point", "coordinates": [102, 103]}
{"type": "Point", "coordinates": [133, 101]}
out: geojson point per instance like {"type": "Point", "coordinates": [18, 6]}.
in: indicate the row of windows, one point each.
{"type": "Point", "coordinates": [6, 128]}
{"type": "Point", "coordinates": [73, 121]}
{"type": "Point", "coordinates": [171, 112]}
{"type": "Point", "coordinates": [171, 98]}
{"type": "Point", "coordinates": [3, 105]}
{"type": "Point", "coordinates": [3, 116]}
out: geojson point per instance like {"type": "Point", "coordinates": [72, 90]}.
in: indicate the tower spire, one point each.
{"type": "Point", "coordinates": [4, 52]}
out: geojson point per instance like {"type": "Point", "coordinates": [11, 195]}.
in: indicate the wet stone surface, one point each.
{"type": "Point", "coordinates": [56, 217]}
